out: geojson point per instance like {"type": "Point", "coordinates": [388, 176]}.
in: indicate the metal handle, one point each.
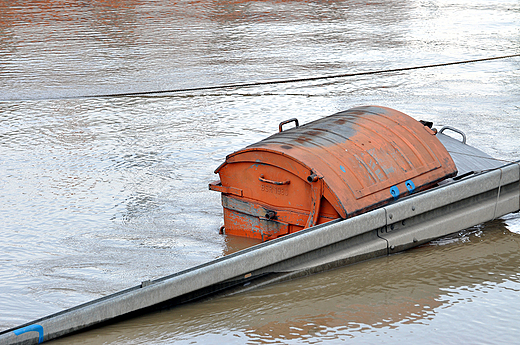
{"type": "Point", "coordinates": [456, 131]}
{"type": "Point", "coordinates": [295, 120]}
{"type": "Point", "coordinates": [262, 179]}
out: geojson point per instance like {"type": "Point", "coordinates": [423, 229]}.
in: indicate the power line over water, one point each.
{"type": "Point", "coordinates": [290, 80]}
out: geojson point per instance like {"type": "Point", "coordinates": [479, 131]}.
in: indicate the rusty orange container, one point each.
{"type": "Point", "coordinates": [335, 167]}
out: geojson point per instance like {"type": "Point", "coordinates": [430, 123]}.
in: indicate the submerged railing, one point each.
{"type": "Point", "coordinates": [404, 224]}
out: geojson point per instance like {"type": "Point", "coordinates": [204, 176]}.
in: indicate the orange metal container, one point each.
{"type": "Point", "coordinates": [336, 167]}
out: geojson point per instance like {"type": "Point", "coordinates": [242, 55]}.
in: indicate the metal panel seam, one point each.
{"type": "Point", "coordinates": [498, 194]}
{"type": "Point", "coordinates": [385, 226]}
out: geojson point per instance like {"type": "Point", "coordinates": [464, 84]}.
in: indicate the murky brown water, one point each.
{"type": "Point", "coordinates": [455, 290]}
{"type": "Point", "coordinates": [99, 194]}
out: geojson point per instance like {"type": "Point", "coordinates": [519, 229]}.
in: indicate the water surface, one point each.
{"type": "Point", "coordinates": [100, 193]}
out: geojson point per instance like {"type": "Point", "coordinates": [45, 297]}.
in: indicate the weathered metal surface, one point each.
{"type": "Point", "coordinates": [468, 159]}
{"type": "Point", "coordinates": [404, 224]}
{"type": "Point", "coordinates": [336, 167]}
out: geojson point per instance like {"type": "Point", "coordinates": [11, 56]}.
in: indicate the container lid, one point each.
{"type": "Point", "coordinates": [365, 156]}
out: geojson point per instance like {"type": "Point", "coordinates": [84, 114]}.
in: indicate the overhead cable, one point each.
{"type": "Point", "coordinates": [296, 80]}
{"type": "Point", "coordinates": [287, 81]}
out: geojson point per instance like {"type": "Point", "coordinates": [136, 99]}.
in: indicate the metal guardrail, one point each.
{"type": "Point", "coordinates": [404, 224]}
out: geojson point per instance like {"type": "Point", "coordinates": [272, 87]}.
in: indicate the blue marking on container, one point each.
{"type": "Point", "coordinates": [411, 187]}
{"type": "Point", "coordinates": [31, 328]}
{"type": "Point", "coordinates": [395, 192]}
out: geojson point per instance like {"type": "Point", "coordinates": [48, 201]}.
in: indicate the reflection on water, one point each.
{"type": "Point", "coordinates": [54, 49]}
{"type": "Point", "coordinates": [99, 194]}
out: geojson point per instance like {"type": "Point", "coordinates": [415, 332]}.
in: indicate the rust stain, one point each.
{"type": "Point", "coordinates": [338, 166]}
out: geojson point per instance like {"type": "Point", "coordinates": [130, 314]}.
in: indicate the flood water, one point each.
{"type": "Point", "coordinates": [98, 194]}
